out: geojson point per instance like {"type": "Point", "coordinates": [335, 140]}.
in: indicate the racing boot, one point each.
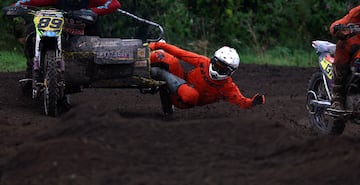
{"type": "Point", "coordinates": [340, 73]}
{"type": "Point", "coordinates": [172, 84]}
{"type": "Point", "coordinates": [166, 102]}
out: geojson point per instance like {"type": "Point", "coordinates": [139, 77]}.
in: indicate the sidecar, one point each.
{"type": "Point", "coordinates": [97, 62]}
{"type": "Point", "coordinates": [66, 60]}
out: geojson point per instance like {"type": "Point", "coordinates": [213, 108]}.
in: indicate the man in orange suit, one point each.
{"type": "Point", "coordinates": [209, 81]}
{"type": "Point", "coordinates": [346, 48]}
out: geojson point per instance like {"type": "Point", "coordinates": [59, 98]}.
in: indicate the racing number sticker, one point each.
{"type": "Point", "coordinates": [327, 67]}
{"type": "Point", "coordinates": [48, 23]}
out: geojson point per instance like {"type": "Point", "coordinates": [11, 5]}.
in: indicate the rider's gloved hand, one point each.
{"type": "Point", "coordinates": [86, 15]}
{"type": "Point", "coordinates": [341, 31]}
{"type": "Point", "coordinates": [258, 99]}
{"type": "Point", "coordinates": [84, 12]}
{"type": "Point", "coordinates": [338, 27]}
{"type": "Point", "coordinates": [152, 46]}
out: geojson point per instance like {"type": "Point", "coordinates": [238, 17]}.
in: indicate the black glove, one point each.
{"type": "Point", "coordinates": [258, 99]}
{"type": "Point", "coordinates": [343, 32]}
{"type": "Point", "coordinates": [86, 15]}
{"type": "Point", "coordinates": [339, 27]}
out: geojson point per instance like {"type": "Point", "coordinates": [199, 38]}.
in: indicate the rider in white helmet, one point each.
{"type": "Point", "coordinates": [224, 63]}
{"type": "Point", "coordinates": [208, 82]}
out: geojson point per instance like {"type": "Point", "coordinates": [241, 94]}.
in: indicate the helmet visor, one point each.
{"type": "Point", "coordinates": [221, 67]}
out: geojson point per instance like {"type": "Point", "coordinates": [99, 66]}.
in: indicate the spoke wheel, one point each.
{"type": "Point", "coordinates": [321, 122]}
{"type": "Point", "coordinates": [51, 88]}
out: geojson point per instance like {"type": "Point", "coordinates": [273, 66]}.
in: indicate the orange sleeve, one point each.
{"type": "Point", "coordinates": [234, 96]}
{"type": "Point", "coordinates": [186, 56]}
{"type": "Point", "coordinates": [352, 17]}
{"type": "Point", "coordinates": [104, 7]}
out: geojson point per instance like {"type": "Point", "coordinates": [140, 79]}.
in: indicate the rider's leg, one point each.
{"type": "Point", "coordinates": [29, 42]}
{"type": "Point", "coordinates": [341, 69]}
{"type": "Point", "coordinates": [167, 67]}
{"type": "Point", "coordinates": [173, 82]}
{"type": "Point", "coordinates": [340, 72]}
{"type": "Point", "coordinates": [29, 49]}
{"type": "Point", "coordinates": [184, 95]}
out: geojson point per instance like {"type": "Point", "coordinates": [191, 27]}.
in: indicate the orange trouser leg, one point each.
{"type": "Point", "coordinates": [346, 50]}
{"type": "Point", "coordinates": [186, 97]}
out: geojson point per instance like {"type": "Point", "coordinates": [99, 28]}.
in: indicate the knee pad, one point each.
{"type": "Point", "coordinates": [157, 56]}
{"type": "Point", "coordinates": [188, 94]}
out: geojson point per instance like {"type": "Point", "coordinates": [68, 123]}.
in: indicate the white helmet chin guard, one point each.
{"type": "Point", "coordinates": [224, 63]}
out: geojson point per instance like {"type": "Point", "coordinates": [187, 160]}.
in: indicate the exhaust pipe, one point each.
{"type": "Point", "coordinates": [313, 103]}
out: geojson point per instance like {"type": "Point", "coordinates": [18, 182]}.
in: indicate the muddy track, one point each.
{"type": "Point", "coordinates": [119, 136]}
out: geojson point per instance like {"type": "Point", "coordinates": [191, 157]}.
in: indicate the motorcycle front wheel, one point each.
{"type": "Point", "coordinates": [51, 89]}
{"type": "Point", "coordinates": [319, 121]}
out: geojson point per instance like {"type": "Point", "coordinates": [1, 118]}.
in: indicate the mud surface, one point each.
{"type": "Point", "coordinates": [119, 136]}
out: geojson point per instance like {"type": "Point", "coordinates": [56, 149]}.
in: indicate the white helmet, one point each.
{"type": "Point", "coordinates": [224, 63]}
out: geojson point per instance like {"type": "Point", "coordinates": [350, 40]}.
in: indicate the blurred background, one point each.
{"type": "Point", "coordinates": [277, 32]}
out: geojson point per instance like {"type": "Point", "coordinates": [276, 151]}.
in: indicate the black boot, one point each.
{"type": "Point", "coordinates": [340, 73]}
{"type": "Point", "coordinates": [166, 102]}
{"type": "Point", "coordinates": [338, 98]}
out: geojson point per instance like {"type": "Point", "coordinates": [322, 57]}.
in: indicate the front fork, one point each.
{"type": "Point", "coordinates": [328, 84]}
{"type": "Point", "coordinates": [39, 83]}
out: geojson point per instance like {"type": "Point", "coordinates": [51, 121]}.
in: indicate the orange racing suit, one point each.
{"type": "Point", "coordinates": [346, 49]}
{"type": "Point", "coordinates": [206, 90]}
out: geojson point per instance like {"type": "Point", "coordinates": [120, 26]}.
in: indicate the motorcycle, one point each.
{"type": "Point", "coordinates": [66, 60]}
{"type": "Point", "coordinates": [322, 118]}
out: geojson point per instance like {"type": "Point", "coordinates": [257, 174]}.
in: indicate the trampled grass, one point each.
{"type": "Point", "coordinates": [12, 61]}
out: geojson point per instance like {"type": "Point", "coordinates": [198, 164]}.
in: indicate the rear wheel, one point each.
{"type": "Point", "coordinates": [321, 122]}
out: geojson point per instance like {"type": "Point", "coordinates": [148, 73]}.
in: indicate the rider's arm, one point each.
{"type": "Point", "coordinates": [234, 96]}
{"type": "Point", "coordinates": [352, 17]}
{"type": "Point", "coordinates": [103, 7]}
{"type": "Point", "coordinates": [186, 56]}
{"type": "Point", "coordinates": [35, 2]}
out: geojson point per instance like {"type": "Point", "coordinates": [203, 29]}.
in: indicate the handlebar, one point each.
{"type": "Point", "coordinates": [161, 34]}
{"type": "Point", "coordinates": [87, 17]}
